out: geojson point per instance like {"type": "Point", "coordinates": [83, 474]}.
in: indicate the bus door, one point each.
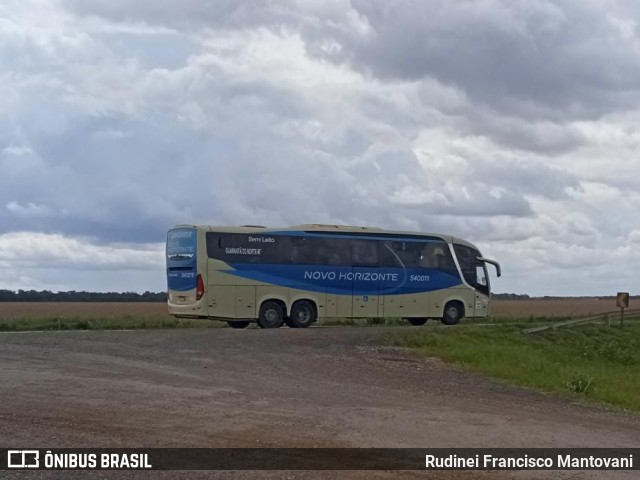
{"type": "Point", "coordinates": [365, 272]}
{"type": "Point", "coordinates": [474, 271]}
{"type": "Point", "coordinates": [481, 278]}
{"type": "Point", "coordinates": [482, 307]}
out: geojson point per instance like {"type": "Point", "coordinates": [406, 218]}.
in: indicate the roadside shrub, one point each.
{"type": "Point", "coordinates": [374, 321]}
{"type": "Point", "coordinates": [82, 325]}
{"type": "Point", "coordinates": [622, 352]}
{"type": "Point", "coordinates": [580, 383]}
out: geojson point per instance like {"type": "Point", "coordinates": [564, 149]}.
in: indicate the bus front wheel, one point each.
{"type": "Point", "coordinates": [453, 312]}
{"type": "Point", "coordinates": [271, 315]}
{"type": "Point", "coordinates": [238, 323]}
{"type": "Point", "coordinates": [417, 321]}
{"type": "Point", "coordinates": [303, 314]}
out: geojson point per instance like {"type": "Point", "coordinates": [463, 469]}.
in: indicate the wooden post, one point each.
{"type": "Point", "coordinates": [608, 318]}
{"type": "Point", "coordinates": [622, 300]}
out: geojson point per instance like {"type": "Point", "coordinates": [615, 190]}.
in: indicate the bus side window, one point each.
{"type": "Point", "coordinates": [447, 264]}
{"type": "Point", "coordinates": [213, 245]}
{"type": "Point", "coordinates": [409, 253]}
{"type": "Point", "coordinates": [428, 258]}
{"type": "Point", "coordinates": [387, 256]}
{"type": "Point", "coordinates": [301, 251]}
{"type": "Point", "coordinates": [333, 252]}
{"type": "Point", "coordinates": [438, 257]}
{"type": "Point", "coordinates": [364, 253]}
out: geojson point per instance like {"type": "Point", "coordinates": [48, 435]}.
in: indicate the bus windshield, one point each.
{"type": "Point", "coordinates": [181, 244]}
{"type": "Point", "coordinates": [181, 259]}
{"type": "Point", "coordinates": [473, 269]}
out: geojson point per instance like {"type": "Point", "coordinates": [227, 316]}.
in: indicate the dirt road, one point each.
{"type": "Point", "coordinates": [319, 387]}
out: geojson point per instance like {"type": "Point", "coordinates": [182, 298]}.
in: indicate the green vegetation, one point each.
{"type": "Point", "coordinates": [531, 320]}
{"type": "Point", "coordinates": [124, 322]}
{"type": "Point", "coordinates": [593, 362]}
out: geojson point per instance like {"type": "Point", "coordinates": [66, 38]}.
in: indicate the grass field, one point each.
{"type": "Point", "coordinates": [15, 316]}
{"type": "Point", "coordinates": [562, 308]}
{"type": "Point", "coordinates": [593, 362]}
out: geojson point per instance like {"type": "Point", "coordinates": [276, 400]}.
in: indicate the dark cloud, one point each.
{"type": "Point", "coordinates": [527, 178]}
{"type": "Point", "coordinates": [534, 59]}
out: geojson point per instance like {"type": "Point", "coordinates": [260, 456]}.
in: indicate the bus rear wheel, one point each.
{"type": "Point", "coordinates": [303, 314]}
{"type": "Point", "coordinates": [271, 315]}
{"type": "Point", "coordinates": [238, 323]}
{"type": "Point", "coordinates": [453, 312]}
{"type": "Point", "coordinates": [417, 321]}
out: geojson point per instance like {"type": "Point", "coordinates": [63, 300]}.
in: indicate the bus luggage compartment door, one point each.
{"type": "Point", "coordinates": [366, 297]}
{"type": "Point", "coordinates": [245, 301]}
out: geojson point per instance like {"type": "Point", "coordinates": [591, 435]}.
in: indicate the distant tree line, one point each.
{"type": "Point", "coordinates": [73, 296]}
{"type": "Point", "coordinates": [509, 296]}
{"type": "Point", "coordinates": [516, 296]}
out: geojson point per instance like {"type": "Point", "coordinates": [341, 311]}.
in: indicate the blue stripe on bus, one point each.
{"type": "Point", "coordinates": [347, 280]}
{"type": "Point", "coordinates": [182, 280]}
{"type": "Point", "coordinates": [181, 274]}
{"type": "Point", "coordinates": [352, 236]}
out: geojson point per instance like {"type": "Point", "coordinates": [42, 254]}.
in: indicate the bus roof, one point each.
{"type": "Point", "coordinates": [322, 228]}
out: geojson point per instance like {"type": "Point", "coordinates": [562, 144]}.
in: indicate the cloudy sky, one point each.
{"type": "Point", "coordinates": [514, 124]}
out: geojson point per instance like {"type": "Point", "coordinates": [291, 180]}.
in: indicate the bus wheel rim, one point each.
{"type": "Point", "coordinates": [303, 315]}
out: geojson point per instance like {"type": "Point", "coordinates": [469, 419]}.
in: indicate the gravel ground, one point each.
{"type": "Point", "coordinates": [317, 387]}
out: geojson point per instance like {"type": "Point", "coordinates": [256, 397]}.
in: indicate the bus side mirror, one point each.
{"type": "Point", "coordinates": [492, 262]}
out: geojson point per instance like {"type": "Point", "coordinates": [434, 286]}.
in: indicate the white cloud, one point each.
{"type": "Point", "coordinates": [31, 210]}
{"type": "Point", "coordinates": [39, 250]}
{"type": "Point", "coordinates": [31, 260]}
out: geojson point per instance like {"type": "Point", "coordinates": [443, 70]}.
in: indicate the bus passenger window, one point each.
{"type": "Point", "coordinates": [332, 252]}
{"type": "Point", "coordinates": [364, 253]}
{"type": "Point", "coordinates": [387, 255]}
{"type": "Point", "coordinates": [301, 252]}
{"type": "Point", "coordinates": [409, 253]}
{"type": "Point", "coordinates": [432, 256]}
{"type": "Point", "coordinates": [438, 257]}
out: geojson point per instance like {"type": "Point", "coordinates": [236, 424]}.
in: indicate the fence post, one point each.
{"type": "Point", "coordinates": [607, 318]}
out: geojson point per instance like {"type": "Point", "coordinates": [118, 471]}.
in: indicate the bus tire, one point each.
{"type": "Point", "coordinates": [271, 315]}
{"type": "Point", "coordinates": [453, 312]}
{"type": "Point", "coordinates": [303, 314]}
{"type": "Point", "coordinates": [288, 322]}
{"type": "Point", "coordinates": [417, 321]}
{"type": "Point", "coordinates": [238, 323]}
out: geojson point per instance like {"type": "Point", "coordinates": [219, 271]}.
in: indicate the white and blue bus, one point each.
{"type": "Point", "coordinates": [295, 275]}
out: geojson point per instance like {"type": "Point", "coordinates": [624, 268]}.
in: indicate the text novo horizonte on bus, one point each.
{"type": "Point", "coordinates": [360, 276]}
